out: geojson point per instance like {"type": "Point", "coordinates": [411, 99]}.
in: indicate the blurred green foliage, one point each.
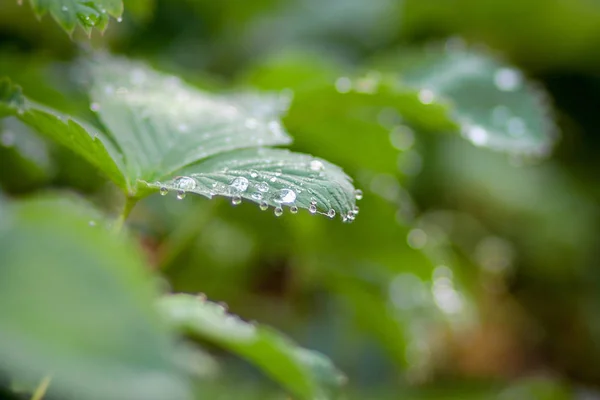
{"type": "Point", "coordinates": [470, 272]}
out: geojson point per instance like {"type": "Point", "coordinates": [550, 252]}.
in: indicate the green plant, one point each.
{"type": "Point", "coordinates": [149, 132]}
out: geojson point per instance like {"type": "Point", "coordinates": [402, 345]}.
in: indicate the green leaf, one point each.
{"type": "Point", "coordinates": [75, 304]}
{"type": "Point", "coordinates": [270, 177]}
{"type": "Point", "coordinates": [88, 14]}
{"type": "Point", "coordinates": [492, 102]}
{"type": "Point", "coordinates": [162, 124]}
{"type": "Point", "coordinates": [305, 373]}
{"type": "Point", "coordinates": [80, 137]}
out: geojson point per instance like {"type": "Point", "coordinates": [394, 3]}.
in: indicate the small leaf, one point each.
{"type": "Point", "coordinates": [305, 373]}
{"type": "Point", "coordinates": [88, 14]}
{"type": "Point", "coordinates": [270, 177]}
{"type": "Point", "coordinates": [75, 304]}
{"type": "Point", "coordinates": [162, 124]}
{"type": "Point", "coordinates": [492, 102]}
{"type": "Point", "coordinates": [80, 137]}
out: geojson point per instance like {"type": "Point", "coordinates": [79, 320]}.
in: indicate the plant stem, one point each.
{"type": "Point", "coordinates": [40, 391]}
{"type": "Point", "coordinates": [130, 202]}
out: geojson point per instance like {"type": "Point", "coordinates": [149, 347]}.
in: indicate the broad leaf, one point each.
{"type": "Point", "coordinates": [305, 373]}
{"type": "Point", "coordinates": [88, 14]}
{"type": "Point", "coordinates": [162, 124]}
{"type": "Point", "coordinates": [492, 102]}
{"type": "Point", "coordinates": [80, 137]}
{"type": "Point", "coordinates": [270, 177]}
{"type": "Point", "coordinates": [75, 304]}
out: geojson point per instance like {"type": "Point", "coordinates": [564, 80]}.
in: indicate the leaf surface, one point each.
{"type": "Point", "coordinates": [88, 14]}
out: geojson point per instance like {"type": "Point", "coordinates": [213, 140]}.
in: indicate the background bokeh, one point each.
{"type": "Point", "coordinates": [468, 273]}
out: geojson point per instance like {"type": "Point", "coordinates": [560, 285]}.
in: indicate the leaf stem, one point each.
{"type": "Point", "coordinates": [130, 202]}
{"type": "Point", "coordinates": [40, 391]}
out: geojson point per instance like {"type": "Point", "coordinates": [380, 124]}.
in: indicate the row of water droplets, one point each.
{"type": "Point", "coordinates": [261, 193]}
{"type": "Point", "coordinates": [90, 19]}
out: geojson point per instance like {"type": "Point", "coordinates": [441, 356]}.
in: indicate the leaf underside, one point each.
{"type": "Point", "coordinates": [88, 14]}
{"type": "Point", "coordinates": [306, 373]}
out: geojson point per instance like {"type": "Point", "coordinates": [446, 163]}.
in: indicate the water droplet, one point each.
{"type": "Point", "coordinates": [103, 11]}
{"type": "Point", "coordinates": [331, 213]}
{"type": "Point", "coordinates": [355, 210]}
{"type": "Point", "coordinates": [477, 135]}
{"type": "Point", "coordinates": [164, 191]}
{"type": "Point", "coordinates": [119, 19]}
{"type": "Point", "coordinates": [417, 238]}
{"type": "Point", "coordinates": [426, 96]}
{"type": "Point", "coordinates": [65, 8]}
{"type": "Point", "coordinates": [253, 173]}
{"type": "Point", "coordinates": [181, 194]}
{"type": "Point", "coordinates": [263, 187]}
{"type": "Point", "coordinates": [185, 183]}
{"type": "Point", "coordinates": [508, 79]}
{"type": "Point", "coordinates": [316, 165]}
{"type": "Point", "coordinates": [251, 123]}
{"type": "Point", "coordinates": [402, 137]}
{"type": "Point", "coordinates": [312, 208]}
{"type": "Point", "coordinates": [285, 196]}
{"type": "Point", "coordinates": [256, 196]}
{"type": "Point", "coordinates": [350, 216]}
{"type": "Point", "coordinates": [343, 84]}
{"type": "Point", "coordinates": [294, 209]}
{"type": "Point", "coordinates": [240, 184]}
{"type": "Point", "coordinates": [516, 126]}
{"type": "Point", "coordinates": [95, 107]}
{"type": "Point", "coordinates": [235, 200]}
{"type": "Point", "coordinates": [263, 205]}
{"type": "Point", "coordinates": [278, 211]}
{"type": "Point", "coordinates": [273, 179]}
{"type": "Point", "coordinates": [358, 194]}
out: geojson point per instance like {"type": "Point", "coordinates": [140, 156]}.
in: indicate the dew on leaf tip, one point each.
{"type": "Point", "coordinates": [263, 205]}
{"type": "Point", "coordinates": [312, 208]}
{"type": "Point", "coordinates": [294, 209]}
{"type": "Point", "coordinates": [358, 194]}
{"type": "Point", "coordinates": [235, 200]}
{"type": "Point", "coordinates": [164, 191]}
{"type": "Point", "coordinates": [278, 211]}
{"type": "Point", "coordinates": [181, 194]}
{"type": "Point", "coordinates": [331, 213]}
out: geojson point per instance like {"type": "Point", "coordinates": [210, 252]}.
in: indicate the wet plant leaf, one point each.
{"type": "Point", "coordinates": [271, 178]}
{"type": "Point", "coordinates": [303, 372]}
{"type": "Point", "coordinates": [493, 103]}
{"type": "Point", "coordinates": [76, 135]}
{"type": "Point", "coordinates": [88, 14]}
{"type": "Point", "coordinates": [78, 308]}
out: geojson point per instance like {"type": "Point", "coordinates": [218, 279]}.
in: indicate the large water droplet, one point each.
{"type": "Point", "coordinates": [426, 96]}
{"type": "Point", "coordinates": [185, 183]}
{"type": "Point", "coordinates": [343, 84]}
{"type": "Point", "coordinates": [285, 196]}
{"type": "Point", "coordinates": [263, 205]}
{"type": "Point", "coordinates": [263, 187]}
{"type": "Point", "coordinates": [316, 165]}
{"type": "Point", "coordinates": [181, 194]}
{"type": "Point", "coordinates": [164, 191]}
{"type": "Point", "coordinates": [331, 213]}
{"type": "Point", "coordinates": [508, 79]}
{"type": "Point", "coordinates": [358, 194]}
{"type": "Point", "coordinates": [240, 184]}
{"type": "Point", "coordinates": [278, 211]}
{"type": "Point", "coordinates": [235, 200]}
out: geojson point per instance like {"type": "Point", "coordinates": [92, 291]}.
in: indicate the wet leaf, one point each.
{"type": "Point", "coordinates": [78, 308]}
{"type": "Point", "coordinates": [493, 103]}
{"type": "Point", "coordinates": [88, 14]}
{"type": "Point", "coordinates": [78, 136]}
{"type": "Point", "coordinates": [303, 372]}
{"type": "Point", "coordinates": [271, 178]}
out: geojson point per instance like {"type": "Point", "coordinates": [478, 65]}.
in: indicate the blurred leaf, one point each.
{"type": "Point", "coordinates": [80, 137]}
{"type": "Point", "coordinates": [88, 14]}
{"type": "Point", "coordinates": [493, 103]}
{"type": "Point", "coordinates": [270, 177]}
{"type": "Point", "coordinates": [78, 307]}
{"type": "Point", "coordinates": [304, 373]}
